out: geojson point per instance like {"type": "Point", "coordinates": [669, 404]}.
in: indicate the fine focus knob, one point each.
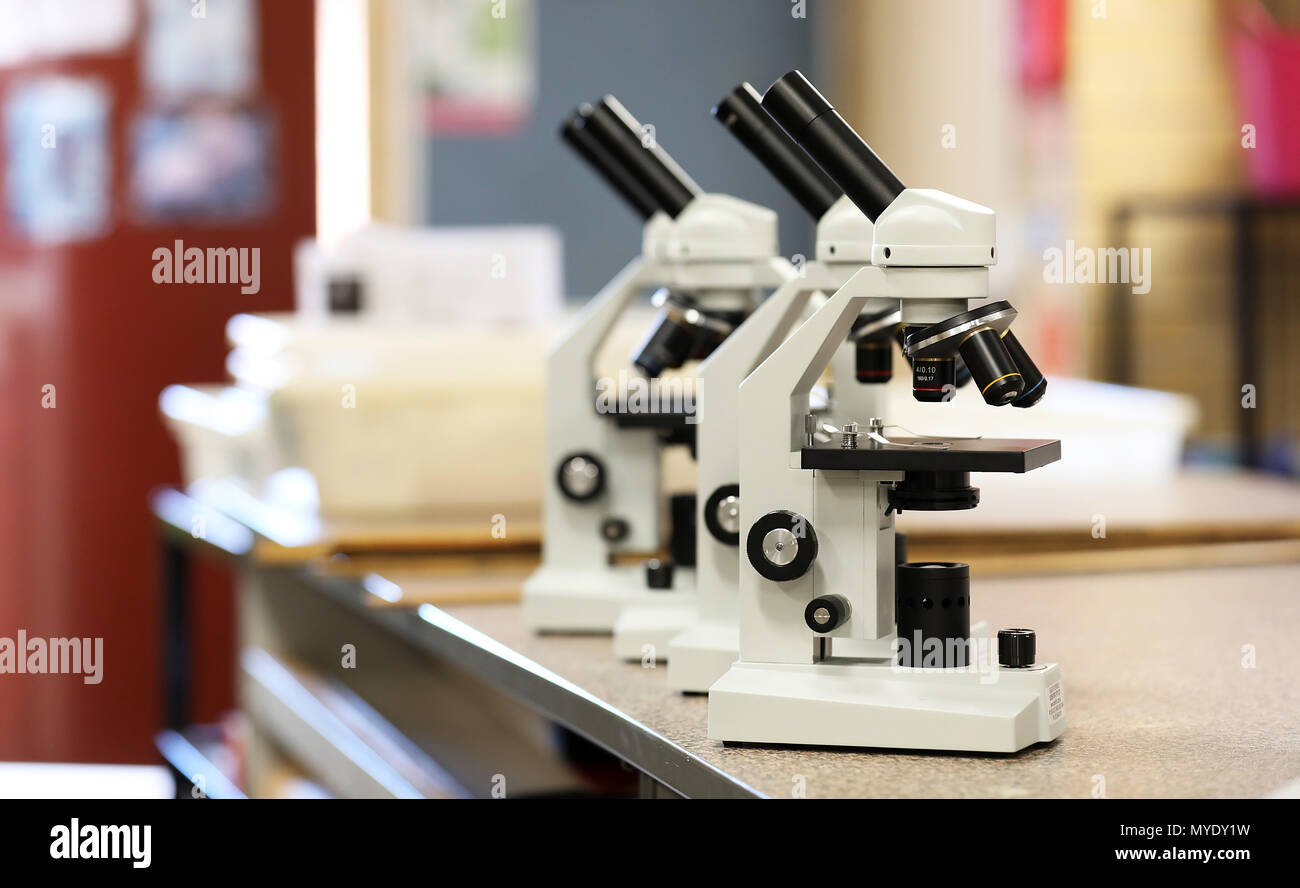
{"type": "Point", "coordinates": [1016, 648]}
{"type": "Point", "coordinates": [615, 530]}
{"type": "Point", "coordinates": [826, 613]}
{"type": "Point", "coordinates": [658, 574]}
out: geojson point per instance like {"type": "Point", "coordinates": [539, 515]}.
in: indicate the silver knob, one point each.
{"type": "Point", "coordinates": [580, 476]}
{"type": "Point", "coordinates": [780, 546]}
{"type": "Point", "coordinates": [728, 514]}
{"type": "Point", "coordinates": [849, 436]}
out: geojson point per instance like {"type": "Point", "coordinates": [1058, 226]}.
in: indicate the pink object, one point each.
{"type": "Point", "coordinates": [1267, 66]}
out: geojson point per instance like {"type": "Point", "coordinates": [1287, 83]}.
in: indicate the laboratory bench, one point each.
{"type": "Point", "coordinates": [1178, 672]}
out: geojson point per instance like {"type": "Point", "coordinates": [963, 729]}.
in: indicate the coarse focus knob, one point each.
{"type": "Point", "coordinates": [722, 514]}
{"type": "Point", "coordinates": [781, 546]}
{"type": "Point", "coordinates": [580, 476]}
{"type": "Point", "coordinates": [1016, 648]}
{"type": "Point", "coordinates": [615, 529]}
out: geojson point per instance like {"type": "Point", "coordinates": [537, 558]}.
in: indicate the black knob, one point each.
{"type": "Point", "coordinates": [658, 574]}
{"type": "Point", "coordinates": [826, 613]}
{"type": "Point", "coordinates": [344, 295]}
{"type": "Point", "coordinates": [614, 529]}
{"type": "Point", "coordinates": [1016, 648]}
{"type": "Point", "coordinates": [781, 546]}
{"type": "Point", "coordinates": [580, 476]}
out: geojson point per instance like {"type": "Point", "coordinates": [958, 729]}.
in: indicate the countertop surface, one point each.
{"type": "Point", "coordinates": [1177, 683]}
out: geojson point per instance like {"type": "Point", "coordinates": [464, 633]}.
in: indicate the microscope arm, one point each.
{"type": "Point", "coordinates": [765, 330]}
{"type": "Point", "coordinates": [773, 401]}
{"type": "Point", "coordinates": [718, 447]}
{"type": "Point", "coordinates": [748, 347]}
{"type": "Point", "coordinates": [629, 456]}
{"type": "Point", "coordinates": [573, 353]}
{"type": "Point", "coordinates": [777, 391]}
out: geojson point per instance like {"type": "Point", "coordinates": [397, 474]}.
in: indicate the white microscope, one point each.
{"type": "Point", "coordinates": [711, 255]}
{"type": "Point", "coordinates": [818, 568]}
{"type": "Point", "coordinates": [709, 644]}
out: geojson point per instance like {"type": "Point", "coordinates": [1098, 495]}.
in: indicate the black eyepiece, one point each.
{"type": "Point", "coordinates": [795, 103]}
{"type": "Point", "coordinates": [741, 112]}
{"type": "Point", "coordinates": [623, 137]}
{"type": "Point", "coordinates": [575, 133]}
{"type": "Point", "coordinates": [813, 122]}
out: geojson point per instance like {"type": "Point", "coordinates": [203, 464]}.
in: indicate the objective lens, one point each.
{"type": "Point", "coordinates": [933, 379]}
{"type": "Point", "coordinates": [682, 332]}
{"type": "Point", "coordinates": [1035, 384]}
{"type": "Point", "coordinates": [963, 373]}
{"type": "Point", "coordinates": [670, 345]}
{"type": "Point", "coordinates": [712, 328]}
{"type": "Point", "coordinates": [874, 360]}
{"type": "Point", "coordinates": [991, 367]}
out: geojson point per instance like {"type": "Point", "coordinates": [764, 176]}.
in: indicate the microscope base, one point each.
{"type": "Point", "coordinates": [645, 629]}
{"type": "Point", "coordinates": [883, 706]}
{"type": "Point", "coordinates": [591, 601]}
{"type": "Point", "coordinates": [701, 654]}
{"type": "Point", "coordinates": [704, 651]}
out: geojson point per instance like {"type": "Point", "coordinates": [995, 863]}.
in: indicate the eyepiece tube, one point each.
{"type": "Point", "coordinates": [620, 134]}
{"type": "Point", "coordinates": [741, 112]}
{"type": "Point", "coordinates": [574, 131]}
{"type": "Point", "coordinates": [804, 113]}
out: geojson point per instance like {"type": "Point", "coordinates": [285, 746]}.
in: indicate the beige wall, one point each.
{"type": "Point", "coordinates": [1147, 108]}
{"type": "Point", "coordinates": [1153, 113]}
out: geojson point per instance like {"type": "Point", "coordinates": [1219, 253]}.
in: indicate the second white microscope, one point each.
{"type": "Point", "coordinates": [710, 255]}
{"type": "Point", "coordinates": [861, 367]}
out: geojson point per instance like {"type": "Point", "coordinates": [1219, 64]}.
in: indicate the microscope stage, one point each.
{"type": "Point", "coordinates": [652, 419]}
{"type": "Point", "coordinates": [958, 455]}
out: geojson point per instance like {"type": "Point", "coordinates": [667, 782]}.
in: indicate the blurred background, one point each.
{"type": "Point", "coordinates": [404, 220]}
